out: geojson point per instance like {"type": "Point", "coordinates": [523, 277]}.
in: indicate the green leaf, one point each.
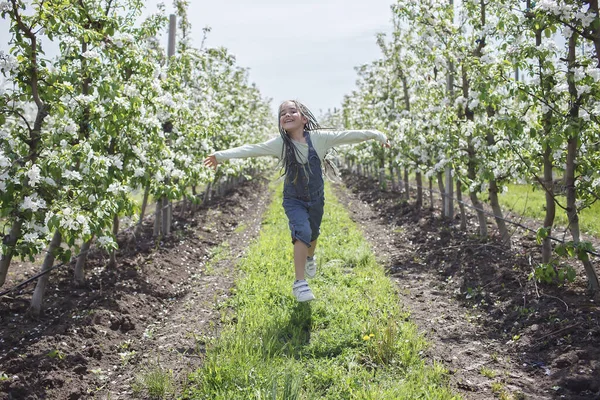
{"type": "Point", "coordinates": [542, 234]}
{"type": "Point", "coordinates": [560, 250]}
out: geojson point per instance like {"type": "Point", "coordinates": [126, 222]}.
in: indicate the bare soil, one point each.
{"type": "Point", "coordinates": [494, 329]}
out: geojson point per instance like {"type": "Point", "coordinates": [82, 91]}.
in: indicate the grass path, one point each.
{"type": "Point", "coordinates": [353, 342]}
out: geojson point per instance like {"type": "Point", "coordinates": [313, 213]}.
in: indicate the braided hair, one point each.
{"type": "Point", "coordinates": [290, 153]}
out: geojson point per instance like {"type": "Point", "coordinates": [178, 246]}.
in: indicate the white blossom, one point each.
{"type": "Point", "coordinates": [105, 241]}
{"type": "Point", "coordinates": [473, 103]}
{"type": "Point", "coordinates": [68, 174]}
{"type": "Point", "coordinates": [8, 63]}
{"type": "Point", "coordinates": [594, 73]}
{"type": "Point", "coordinates": [117, 162]}
{"type": "Point", "coordinates": [138, 172]}
{"type": "Point", "coordinates": [4, 161]}
{"type": "Point", "coordinates": [83, 99]}
{"type": "Point", "coordinates": [460, 101]}
{"type": "Point", "coordinates": [71, 127]}
{"type": "Point", "coordinates": [33, 203]}
{"type": "Point", "coordinates": [90, 54]}
{"type": "Point", "coordinates": [34, 175]}
{"type": "Point", "coordinates": [579, 74]}
{"type": "Point", "coordinates": [114, 188]}
{"type": "Point", "coordinates": [583, 89]}
{"type": "Point", "coordinates": [30, 237]}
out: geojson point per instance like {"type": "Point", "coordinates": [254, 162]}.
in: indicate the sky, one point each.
{"type": "Point", "coordinates": [304, 50]}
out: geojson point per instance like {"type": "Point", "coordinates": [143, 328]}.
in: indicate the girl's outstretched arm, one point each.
{"type": "Point", "coordinates": [271, 147]}
{"type": "Point", "coordinates": [336, 138]}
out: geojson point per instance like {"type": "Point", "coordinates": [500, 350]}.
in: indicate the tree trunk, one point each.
{"type": "Point", "coordinates": [138, 227]}
{"type": "Point", "coordinates": [593, 284]}
{"type": "Point", "coordinates": [207, 193]}
{"type": "Point", "coordinates": [419, 203]}
{"type": "Point", "coordinates": [550, 205]}
{"type": "Point", "coordinates": [79, 271]}
{"type": "Point", "coordinates": [194, 204]}
{"type": "Point", "coordinates": [112, 262]}
{"type": "Point", "coordinates": [406, 185]}
{"type": "Point", "coordinates": [158, 217]}
{"type": "Point", "coordinates": [382, 179]}
{"type": "Point", "coordinates": [493, 193]}
{"type": "Point", "coordinates": [431, 205]}
{"type": "Point", "coordinates": [183, 208]}
{"type": "Point", "coordinates": [440, 180]}
{"type": "Point", "coordinates": [35, 134]}
{"type": "Point", "coordinates": [472, 161]}
{"type": "Point", "coordinates": [40, 288]}
{"type": "Point", "coordinates": [11, 241]}
{"type": "Point", "coordinates": [547, 161]}
{"type": "Point", "coordinates": [461, 206]}
{"type": "Point", "coordinates": [572, 152]}
{"type": "Point", "coordinates": [480, 214]}
{"type": "Point", "coordinates": [166, 216]}
{"type": "Point", "coordinates": [472, 174]}
{"type": "Point", "coordinates": [502, 228]}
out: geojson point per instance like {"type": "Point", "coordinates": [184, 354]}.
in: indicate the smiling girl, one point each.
{"type": "Point", "coordinates": [301, 147]}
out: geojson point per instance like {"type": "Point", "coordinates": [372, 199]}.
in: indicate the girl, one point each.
{"type": "Point", "coordinates": [301, 148]}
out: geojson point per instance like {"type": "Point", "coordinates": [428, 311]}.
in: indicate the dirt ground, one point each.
{"type": "Point", "coordinates": [495, 330]}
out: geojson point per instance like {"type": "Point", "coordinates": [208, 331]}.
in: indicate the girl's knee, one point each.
{"type": "Point", "coordinates": [302, 233]}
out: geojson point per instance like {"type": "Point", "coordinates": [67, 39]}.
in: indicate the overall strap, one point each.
{"type": "Point", "coordinates": [309, 143]}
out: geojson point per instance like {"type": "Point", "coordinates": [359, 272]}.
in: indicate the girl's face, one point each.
{"type": "Point", "coordinates": [290, 117]}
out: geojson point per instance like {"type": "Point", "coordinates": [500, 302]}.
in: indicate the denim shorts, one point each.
{"type": "Point", "coordinates": [304, 217]}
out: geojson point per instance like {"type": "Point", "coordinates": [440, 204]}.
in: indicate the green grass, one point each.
{"type": "Point", "coordinates": [529, 201]}
{"type": "Point", "coordinates": [353, 342]}
{"type": "Point", "coordinates": [154, 383]}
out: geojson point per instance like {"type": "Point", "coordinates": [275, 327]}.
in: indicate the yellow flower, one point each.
{"type": "Point", "coordinates": [366, 337]}
{"type": "Point", "coordinates": [371, 334]}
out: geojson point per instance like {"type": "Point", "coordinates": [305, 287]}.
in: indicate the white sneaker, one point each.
{"type": "Point", "coordinates": [310, 268]}
{"type": "Point", "coordinates": [302, 292]}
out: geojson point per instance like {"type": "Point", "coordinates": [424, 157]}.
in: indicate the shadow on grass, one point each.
{"type": "Point", "coordinates": [289, 337]}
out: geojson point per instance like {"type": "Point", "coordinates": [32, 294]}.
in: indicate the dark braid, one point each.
{"type": "Point", "coordinates": [290, 153]}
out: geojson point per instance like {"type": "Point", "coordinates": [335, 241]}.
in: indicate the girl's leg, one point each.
{"type": "Point", "coordinates": [300, 254]}
{"type": "Point", "coordinates": [311, 250]}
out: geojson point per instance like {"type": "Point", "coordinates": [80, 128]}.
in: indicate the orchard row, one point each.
{"type": "Point", "coordinates": [111, 113]}
{"type": "Point", "coordinates": [495, 92]}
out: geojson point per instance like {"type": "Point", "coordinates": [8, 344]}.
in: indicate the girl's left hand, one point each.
{"type": "Point", "coordinates": [211, 161]}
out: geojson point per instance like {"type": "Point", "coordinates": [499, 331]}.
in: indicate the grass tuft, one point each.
{"type": "Point", "coordinates": [154, 383]}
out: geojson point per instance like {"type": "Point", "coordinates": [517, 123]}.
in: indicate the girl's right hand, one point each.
{"type": "Point", "coordinates": [211, 161]}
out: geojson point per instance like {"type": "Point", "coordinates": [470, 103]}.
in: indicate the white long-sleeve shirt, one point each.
{"type": "Point", "coordinates": [321, 141]}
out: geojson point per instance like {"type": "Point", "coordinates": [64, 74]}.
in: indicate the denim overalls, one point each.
{"type": "Point", "coordinates": [303, 199]}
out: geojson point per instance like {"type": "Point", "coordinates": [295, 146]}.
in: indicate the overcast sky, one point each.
{"type": "Point", "coordinates": [304, 50]}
